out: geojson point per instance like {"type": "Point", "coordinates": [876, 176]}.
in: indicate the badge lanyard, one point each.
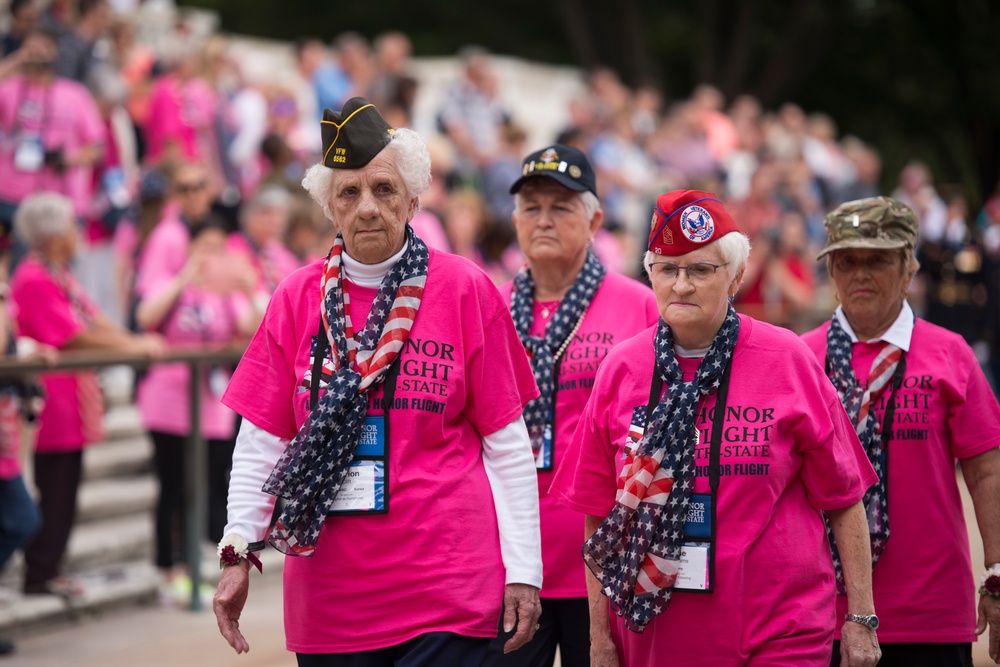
{"type": "Point", "coordinates": [546, 456]}
{"type": "Point", "coordinates": [715, 451]}
{"type": "Point", "coordinates": [388, 395]}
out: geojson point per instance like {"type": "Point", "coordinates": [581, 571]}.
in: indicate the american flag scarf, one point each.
{"type": "Point", "coordinates": [635, 552]}
{"type": "Point", "coordinates": [542, 351]}
{"type": "Point", "coordinates": [314, 465]}
{"type": "Point", "coordinates": [857, 402]}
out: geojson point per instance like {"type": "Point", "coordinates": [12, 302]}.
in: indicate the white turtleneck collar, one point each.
{"type": "Point", "coordinates": [369, 275]}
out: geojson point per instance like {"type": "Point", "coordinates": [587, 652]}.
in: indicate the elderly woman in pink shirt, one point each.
{"type": "Point", "coordinates": [53, 308]}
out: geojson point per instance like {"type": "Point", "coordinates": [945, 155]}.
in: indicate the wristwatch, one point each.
{"type": "Point", "coordinates": [870, 620]}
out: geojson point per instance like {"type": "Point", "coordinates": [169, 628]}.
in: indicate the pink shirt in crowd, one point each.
{"type": "Point", "coordinates": [47, 313]}
{"type": "Point", "coordinates": [272, 263]}
{"type": "Point", "coordinates": [787, 452]}
{"type": "Point", "coordinates": [199, 317]}
{"type": "Point", "coordinates": [63, 115]}
{"type": "Point", "coordinates": [181, 112]}
{"type": "Point", "coordinates": [923, 583]}
{"type": "Point", "coordinates": [432, 563]}
{"type": "Point", "coordinates": [621, 308]}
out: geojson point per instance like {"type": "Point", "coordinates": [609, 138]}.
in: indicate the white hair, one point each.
{"type": "Point", "coordinates": [413, 163]}
{"type": "Point", "coordinates": [42, 216]}
{"type": "Point", "coordinates": [734, 248]}
{"type": "Point", "coordinates": [591, 204]}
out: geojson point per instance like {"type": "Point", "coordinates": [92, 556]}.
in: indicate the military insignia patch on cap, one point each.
{"type": "Point", "coordinates": [566, 165]}
{"type": "Point", "coordinates": [696, 224]}
{"type": "Point", "coordinates": [354, 136]}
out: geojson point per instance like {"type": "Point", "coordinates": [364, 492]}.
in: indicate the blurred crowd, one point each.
{"type": "Point", "coordinates": [180, 169]}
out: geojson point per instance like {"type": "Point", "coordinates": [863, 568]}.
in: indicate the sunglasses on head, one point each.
{"type": "Point", "coordinates": [187, 188]}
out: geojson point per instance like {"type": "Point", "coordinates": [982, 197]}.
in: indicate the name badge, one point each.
{"type": "Point", "coordinates": [693, 573]}
{"type": "Point", "coordinates": [372, 442]}
{"type": "Point", "coordinates": [543, 460]}
{"type": "Point", "coordinates": [699, 518]}
{"type": "Point", "coordinates": [29, 156]}
{"type": "Point", "coordinates": [363, 489]}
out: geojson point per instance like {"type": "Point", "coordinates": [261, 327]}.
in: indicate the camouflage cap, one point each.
{"type": "Point", "coordinates": [875, 223]}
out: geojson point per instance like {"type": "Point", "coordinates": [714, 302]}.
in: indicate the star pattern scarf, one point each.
{"type": "Point", "coordinates": [542, 351]}
{"type": "Point", "coordinates": [635, 552]}
{"type": "Point", "coordinates": [313, 467]}
{"type": "Point", "coordinates": [857, 402]}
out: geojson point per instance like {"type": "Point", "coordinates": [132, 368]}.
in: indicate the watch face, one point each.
{"type": "Point", "coordinates": [873, 622]}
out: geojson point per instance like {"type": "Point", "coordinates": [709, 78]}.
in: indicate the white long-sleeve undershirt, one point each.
{"type": "Point", "coordinates": [510, 469]}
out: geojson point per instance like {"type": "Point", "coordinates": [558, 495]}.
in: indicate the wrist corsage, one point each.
{"type": "Point", "coordinates": [233, 549]}
{"type": "Point", "coordinates": [990, 582]}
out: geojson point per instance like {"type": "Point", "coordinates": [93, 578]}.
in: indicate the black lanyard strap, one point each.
{"type": "Point", "coordinates": [718, 419]}
{"type": "Point", "coordinates": [388, 394]}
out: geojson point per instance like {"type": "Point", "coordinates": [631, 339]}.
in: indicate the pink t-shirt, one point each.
{"type": "Point", "coordinates": [621, 308]}
{"type": "Point", "coordinates": [923, 583]}
{"type": "Point", "coordinates": [163, 396]}
{"type": "Point", "coordinates": [10, 432]}
{"type": "Point", "coordinates": [432, 563]}
{"type": "Point", "coordinates": [787, 452]}
{"type": "Point", "coordinates": [273, 263]}
{"type": "Point", "coordinates": [183, 113]}
{"type": "Point", "coordinates": [47, 313]}
{"type": "Point", "coordinates": [65, 116]}
{"type": "Point", "coordinates": [199, 317]}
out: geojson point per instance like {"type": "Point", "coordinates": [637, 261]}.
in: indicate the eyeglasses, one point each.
{"type": "Point", "coordinates": [187, 188]}
{"type": "Point", "coordinates": [874, 263]}
{"type": "Point", "coordinates": [697, 273]}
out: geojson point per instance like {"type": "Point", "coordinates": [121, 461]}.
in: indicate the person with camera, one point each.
{"type": "Point", "coordinates": [51, 133]}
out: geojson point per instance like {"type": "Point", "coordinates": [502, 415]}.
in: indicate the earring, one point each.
{"type": "Point", "coordinates": [732, 297]}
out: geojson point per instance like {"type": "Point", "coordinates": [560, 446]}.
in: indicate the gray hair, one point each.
{"type": "Point", "coordinates": [42, 216]}
{"type": "Point", "coordinates": [591, 204]}
{"type": "Point", "coordinates": [734, 248]}
{"type": "Point", "coordinates": [413, 163]}
{"type": "Point", "coordinates": [268, 196]}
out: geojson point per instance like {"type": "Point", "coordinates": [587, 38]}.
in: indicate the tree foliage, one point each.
{"type": "Point", "coordinates": [916, 78]}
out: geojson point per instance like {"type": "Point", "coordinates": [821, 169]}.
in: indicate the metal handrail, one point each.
{"type": "Point", "coordinates": [196, 451]}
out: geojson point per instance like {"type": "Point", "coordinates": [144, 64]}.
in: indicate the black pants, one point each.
{"type": "Point", "coordinates": [168, 456]}
{"type": "Point", "coordinates": [918, 655]}
{"type": "Point", "coordinates": [57, 477]}
{"type": "Point", "coordinates": [565, 622]}
{"type": "Point", "coordinates": [444, 649]}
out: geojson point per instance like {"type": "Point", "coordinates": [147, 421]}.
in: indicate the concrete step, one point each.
{"type": "Point", "coordinates": [114, 497]}
{"type": "Point", "coordinates": [122, 421]}
{"type": "Point", "coordinates": [123, 456]}
{"type": "Point", "coordinates": [123, 583]}
{"type": "Point", "coordinates": [131, 582]}
{"type": "Point", "coordinates": [113, 540]}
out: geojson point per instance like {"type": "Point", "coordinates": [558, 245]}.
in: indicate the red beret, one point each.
{"type": "Point", "coordinates": [685, 220]}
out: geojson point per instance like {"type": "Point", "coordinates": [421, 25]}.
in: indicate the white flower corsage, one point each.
{"type": "Point", "coordinates": [990, 582]}
{"type": "Point", "coordinates": [233, 549]}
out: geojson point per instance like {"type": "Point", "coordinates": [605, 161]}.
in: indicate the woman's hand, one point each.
{"type": "Point", "coordinates": [989, 616]}
{"type": "Point", "coordinates": [151, 345]}
{"type": "Point", "coordinates": [230, 597]}
{"type": "Point", "coordinates": [858, 646]}
{"type": "Point", "coordinates": [521, 605]}
{"type": "Point", "coordinates": [602, 649]}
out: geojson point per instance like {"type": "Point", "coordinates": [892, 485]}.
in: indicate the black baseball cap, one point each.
{"type": "Point", "coordinates": [564, 164]}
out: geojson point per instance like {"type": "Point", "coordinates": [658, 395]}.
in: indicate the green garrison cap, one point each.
{"type": "Point", "coordinates": [875, 223]}
{"type": "Point", "coordinates": [354, 136]}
